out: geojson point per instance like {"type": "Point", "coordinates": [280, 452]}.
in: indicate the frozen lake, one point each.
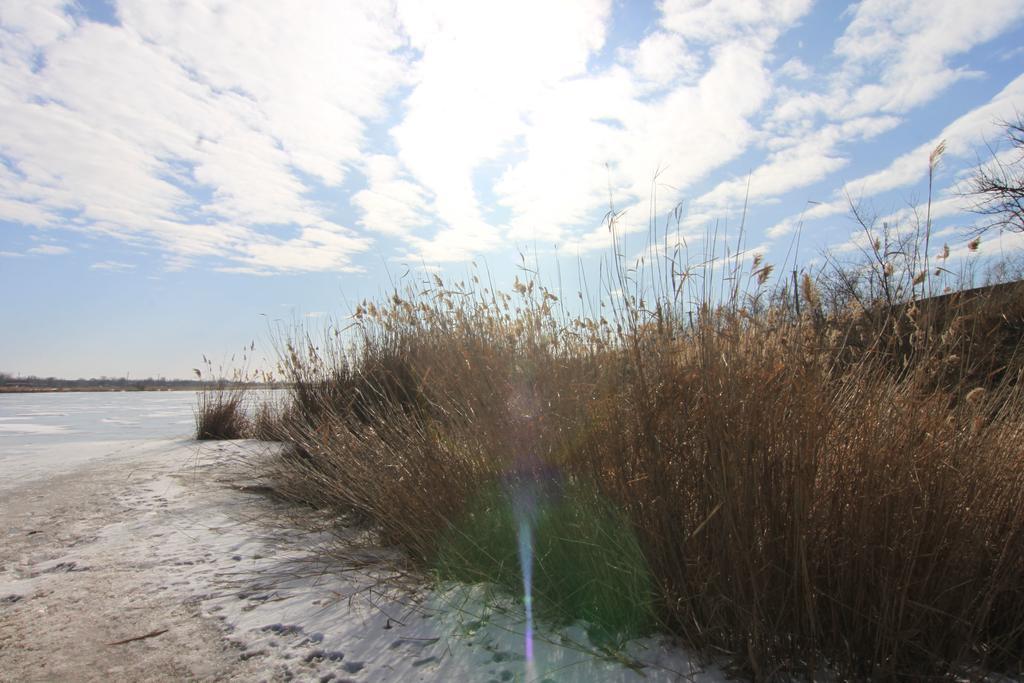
{"type": "Point", "coordinates": [41, 418]}
{"type": "Point", "coordinates": [50, 434]}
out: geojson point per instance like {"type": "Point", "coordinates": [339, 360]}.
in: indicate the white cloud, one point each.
{"type": "Point", "coordinates": [962, 138]}
{"type": "Point", "coordinates": [113, 266]}
{"type": "Point", "coordinates": [990, 245]}
{"type": "Point", "coordinates": [807, 161]}
{"type": "Point", "coordinates": [38, 22]}
{"type": "Point", "coordinates": [49, 250]}
{"type": "Point", "coordinates": [124, 125]}
{"type": "Point", "coordinates": [323, 247]}
{"type": "Point", "coordinates": [795, 69]}
{"type": "Point", "coordinates": [783, 227]}
{"type": "Point", "coordinates": [316, 74]}
{"type": "Point", "coordinates": [203, 128]}
{"type": "Point", "coordinates": [605, 133]}
{"type": "Point", "coordinates": [896, 55]}
{"type": "Point", "coordinates": [574, 157]}
{"type": "Point", "coordinates": [719, 20]}
{"type": "Point", "coordinates": [942, 207]}
{"type": "Point", "coordinates": [392, 203]}
{"type": "Point", "coordinates": [661, 58]}
{"type": "Point", "coordinates": [483, 67]}
{"type": "Point", "coordinates": [956, 236]}
{"type": "Point", "coordinates": [572, 150]}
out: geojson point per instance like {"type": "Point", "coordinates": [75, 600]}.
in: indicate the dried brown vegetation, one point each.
{"type": "Point", "coordinates": [837, 490]}
{"type": "Point", "coordinates": [221, 415]}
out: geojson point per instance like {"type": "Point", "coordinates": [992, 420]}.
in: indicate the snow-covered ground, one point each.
{"type": "Point", "coordinates": [117, 527]}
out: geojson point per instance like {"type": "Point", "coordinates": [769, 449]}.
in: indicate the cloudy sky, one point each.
{"type": "Point", "coordinates": [174, 175]}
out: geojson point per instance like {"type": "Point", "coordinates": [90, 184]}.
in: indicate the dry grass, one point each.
{"type": "Point", "coordinates": [841, 490]}
{"type": "Point", "coordinates": [220, 414]}
{"type": "Point", "coordinates": [235, 403]}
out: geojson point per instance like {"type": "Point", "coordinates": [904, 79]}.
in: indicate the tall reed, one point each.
{"type": "Point", "coordinates": [840, 489]}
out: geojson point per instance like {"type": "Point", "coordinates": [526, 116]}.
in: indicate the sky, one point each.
{"type": "Point", "coordinates": [178, 177]}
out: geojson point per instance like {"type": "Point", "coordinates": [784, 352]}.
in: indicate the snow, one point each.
{"type": "Point", "coordinates": [29, 428]}
{"type": "Point", "coordinates": [109, 524]}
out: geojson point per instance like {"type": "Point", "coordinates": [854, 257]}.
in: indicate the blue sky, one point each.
{"type": "Point", "coordinates": [175, 175]}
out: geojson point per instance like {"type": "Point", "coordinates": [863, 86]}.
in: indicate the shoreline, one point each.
{"type": "Point", "coordinates": [86, 390]}
{"type": "Point", "coordinates": [129, 389]}
{"type": "Point", "coordinates": [160, 560]}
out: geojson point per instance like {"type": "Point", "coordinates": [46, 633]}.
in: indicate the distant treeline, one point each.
{"type": "Point", "coordinates": [10, 383]}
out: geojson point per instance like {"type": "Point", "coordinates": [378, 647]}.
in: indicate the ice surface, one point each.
{"type": "Point", "coordinates": [44, 434]}
{"type": "Point", "coordinates": [94, 416]}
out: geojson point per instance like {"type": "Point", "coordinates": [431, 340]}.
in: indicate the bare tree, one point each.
{"type": "Point", "coordinates": [997, 187]}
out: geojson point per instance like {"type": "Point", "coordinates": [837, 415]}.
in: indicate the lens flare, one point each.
{"type": "Point", "coordinates": [526, 567]}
